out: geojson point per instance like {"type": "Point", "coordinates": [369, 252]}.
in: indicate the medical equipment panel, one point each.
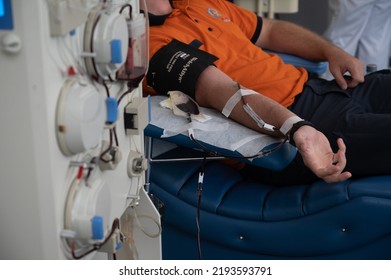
{"type": "Point", "coordinates": [72, 180]}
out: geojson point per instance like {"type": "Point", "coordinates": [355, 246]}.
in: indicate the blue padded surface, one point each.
{"type": "Point", "coordinates": [227, 192]}
{"type": "Point", "coordinates": [341, 228]}
{"type": "Point", "coordinates": [253, 220]}
{"type": "Point", "coordinates": [173, 237]}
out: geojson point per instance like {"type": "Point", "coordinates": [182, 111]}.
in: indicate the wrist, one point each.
{"type": "Point", "coordinates": [296, 127]}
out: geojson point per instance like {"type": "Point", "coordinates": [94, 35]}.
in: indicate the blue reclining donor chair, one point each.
{"type": "Point", "coordinates": [244, 219]}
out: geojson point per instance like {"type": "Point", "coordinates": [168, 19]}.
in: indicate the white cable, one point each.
{"type": "Point", "coordinates": [60, 52]}
{"type": "Point", "coordinates": [71, 48]}
{"type": "Point", "coordinates": [142, 228]}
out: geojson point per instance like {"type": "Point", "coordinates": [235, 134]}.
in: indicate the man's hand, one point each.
{"type": "Point", "coordinates": [317, 154]}
{"type": "Point", "coordinates": [341, 62]}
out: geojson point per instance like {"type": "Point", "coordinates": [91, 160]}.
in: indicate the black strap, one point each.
{"type": "Point", "coordinates": [295, 127]}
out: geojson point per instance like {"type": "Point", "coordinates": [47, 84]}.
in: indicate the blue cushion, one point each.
{"type": "Point", "coordinates": [241, 218]}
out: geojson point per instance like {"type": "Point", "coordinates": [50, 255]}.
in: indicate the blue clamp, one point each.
{"type": "Point", "coordinates": [112, 110]}
{"type": "Point", "coordinates": [118, 246]}
{"type": "Point", "coordinates": [116, 51]}
{"type": "Point", "coordinates": [97, 228]}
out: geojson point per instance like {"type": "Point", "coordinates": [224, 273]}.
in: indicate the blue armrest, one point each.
{"type": "Point", "coordinates": [277, 160]}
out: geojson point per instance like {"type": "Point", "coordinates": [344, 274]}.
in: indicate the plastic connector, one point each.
{"type": "Point", "coordinates": [110, 159]}
{"type": "Point", "coordinates": [136, 116]}
{"type": "Point", "coordinates": [137, 164]}
{"type": "Point", "coordinates": [114, 243]}
{"type": "Point", "coordinates": [67, 233]}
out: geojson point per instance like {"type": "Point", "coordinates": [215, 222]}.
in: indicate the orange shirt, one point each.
{"type": "Point", "coordinates": [225, 31]}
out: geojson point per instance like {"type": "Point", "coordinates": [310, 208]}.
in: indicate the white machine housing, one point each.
{"type": "Point", "coordinates": [47, 148]}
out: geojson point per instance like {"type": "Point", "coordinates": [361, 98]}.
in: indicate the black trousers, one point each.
{"type": "Point", "coordinates": [360, 116]}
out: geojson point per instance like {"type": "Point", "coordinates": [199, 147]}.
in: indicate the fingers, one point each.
{"type": "Point", "coordinates": [340, 177]}
{"type": "Point", "coordinates": [339, 78]}
{"type": "Point", "coordinates": [357, 77]}
{"type": "Point", "coordinates": [345, 82]}
{"type": "Point", "coordinates": [334, 172]}
{"type": "Point", "coordinates": [319, 157]}
{"type": "Point", "coordinates": [351, 65]}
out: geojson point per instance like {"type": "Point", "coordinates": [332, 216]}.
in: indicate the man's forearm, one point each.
{"type": "Point", "coordinates": [214, 89]}
{"type": "Point", "coordinates": [287, 37]}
